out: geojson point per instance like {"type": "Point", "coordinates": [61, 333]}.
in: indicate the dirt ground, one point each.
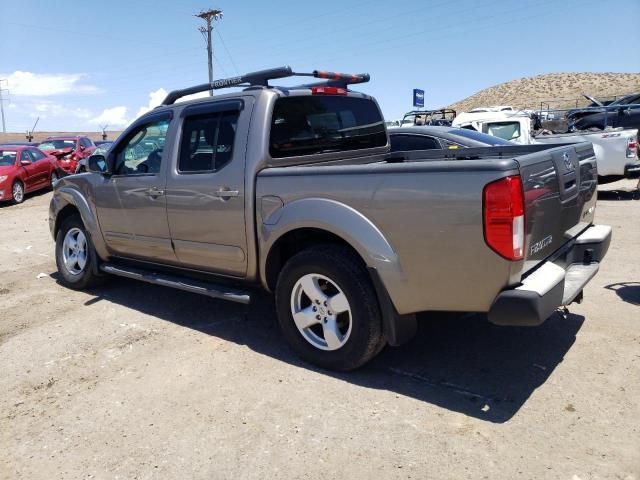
{"type": "Point", "coordinates": [137, 381]}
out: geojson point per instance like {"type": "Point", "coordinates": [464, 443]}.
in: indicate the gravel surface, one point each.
{"type": "Point", "coordinates": [137, 381]}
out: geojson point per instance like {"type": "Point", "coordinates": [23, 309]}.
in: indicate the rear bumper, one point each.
{"type": "Point", "coordinates": [632, 171]}
{"type": "Point", "coordinates": [557, 282]}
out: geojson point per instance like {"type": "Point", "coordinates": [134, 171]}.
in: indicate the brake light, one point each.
{"type": "Point", "coordinates": [503, 210]}
{"type": "Point", "coordinates": [632, 148]}
{"type": "Point", "coordinates": [328, 91]}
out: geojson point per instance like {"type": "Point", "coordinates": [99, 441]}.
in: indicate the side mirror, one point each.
{"type": "Point", "coordinates": [82, 147]}
{"type": "Point", "coordinates": [24, 163]}
{"type": "Point", "coordinates": [97, 164]}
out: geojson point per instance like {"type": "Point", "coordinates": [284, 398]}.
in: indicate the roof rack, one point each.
{"type": "Point", "coordinates": [262, 77]}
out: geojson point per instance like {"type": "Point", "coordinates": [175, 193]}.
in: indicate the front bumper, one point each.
{"type": "Point", "coordinates": [557, 282]}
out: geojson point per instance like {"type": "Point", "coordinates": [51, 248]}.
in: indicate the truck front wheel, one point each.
{"type": "Point", "coordinates": [328, 309]}
{"type": "Point", "coordinates": [75, 257]}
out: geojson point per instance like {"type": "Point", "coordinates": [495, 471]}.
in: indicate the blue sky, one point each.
{"type": "Point", "coordinates": [79, 65]}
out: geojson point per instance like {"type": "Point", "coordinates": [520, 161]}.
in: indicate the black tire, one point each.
{"type": "Point", "coordinates": [88, 276]}
{"type": "Point", "coordinates": [20, 198]}
{"type": "Point", "coordinates": [346, 271]}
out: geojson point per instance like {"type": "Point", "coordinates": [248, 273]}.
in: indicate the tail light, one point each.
{"type": "Point", "coordinates": [503, 210]}
{"type": "Point", "coordinates": [632, 148]}
{"type": "Point", "coordinates": [328, 91]}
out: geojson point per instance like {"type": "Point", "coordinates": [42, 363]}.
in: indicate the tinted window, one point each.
{"type": "Point", "coordinates": [405, 143]}
{"type": "Point", "coordinates": [26, 155]}
{"type": "Point", "coordinates": [319, 124]}
{"type": "Point", "coordinates": [479, 137]}
{"type": "Point", "coordinates": [207, 142]}
{"type": "Point", "coordinates": [85, 142]}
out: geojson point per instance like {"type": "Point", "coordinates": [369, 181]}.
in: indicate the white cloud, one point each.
{"type": "Point", "coordinates": [113, 117]}
{"type": "Point", "coordinates": [47, 84]}
{"type": "Point", "coordinates": [155, 98]}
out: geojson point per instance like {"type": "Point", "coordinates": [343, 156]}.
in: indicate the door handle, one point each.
{"type": "Point", "coordinates": [226, 194]}
{"type": "Point", "coordinates": [154, 192]}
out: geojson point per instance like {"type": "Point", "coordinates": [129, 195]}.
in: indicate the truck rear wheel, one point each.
{"type": "Point", "coordinates": [328, 309]}
{"type": "Point", "coordinates": [76, 258]}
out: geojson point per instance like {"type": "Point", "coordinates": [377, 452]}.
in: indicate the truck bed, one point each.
{"type": "Point", "coordinates": [429, 203]}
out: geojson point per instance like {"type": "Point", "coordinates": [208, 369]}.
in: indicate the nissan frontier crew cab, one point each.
{"type": "Point", "coordinates": [293, 189]}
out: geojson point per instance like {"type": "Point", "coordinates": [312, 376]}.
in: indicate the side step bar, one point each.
{"type": "Point", "coordinates": [212, 290]}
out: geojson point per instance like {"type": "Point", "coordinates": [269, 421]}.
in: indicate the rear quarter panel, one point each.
{"type": "Point", "coordinates": [431, 215]}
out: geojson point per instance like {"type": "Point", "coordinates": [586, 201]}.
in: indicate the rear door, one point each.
{"type": "Point", "coordinates": [205, 187]}
{"type": "Point", "coordinates": [559, 195]}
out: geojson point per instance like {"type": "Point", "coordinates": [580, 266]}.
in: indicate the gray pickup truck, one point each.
{"type": "Point", "coordinates": [293, 189]}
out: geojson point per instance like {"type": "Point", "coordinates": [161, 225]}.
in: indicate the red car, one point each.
{"type": "Point", "coordinates": [24, 169]}
{"type": "Point", "coordinates": [68, 150]}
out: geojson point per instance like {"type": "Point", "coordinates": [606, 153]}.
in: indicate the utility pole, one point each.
{"type": "Point", "coordinates": [4, 127]}
{"type": "Point", "coordinates": [209, 16]}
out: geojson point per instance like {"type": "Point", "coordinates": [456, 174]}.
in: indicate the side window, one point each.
{"type": "Point", "coordinates": [37, 155]}
{"type": "Point", "coordinates": [85, 142]}
{"type": "Point", "coordinates": [451, 145]}
{"type": "Point", "coordinates": [26, 155]}
{"type": "Point", "coordinates": [404, 143]}
{"type": "Point", "coordinates": [142, 151]}
{"type": "Point", "coordinates": [207, 142]}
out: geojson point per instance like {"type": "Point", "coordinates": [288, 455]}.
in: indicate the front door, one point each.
{"type": "Point", "coordinates": [131, 203]}
{"type": "Point", "coordinates": [205, 189]}
{"type": "Point", "coordinates": [33, 173]}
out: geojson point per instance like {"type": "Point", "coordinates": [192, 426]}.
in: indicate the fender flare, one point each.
{"type": "Point", "coordinates": [67, 195]}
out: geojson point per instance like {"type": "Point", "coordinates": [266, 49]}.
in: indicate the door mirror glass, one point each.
{"type": "Point", "coordinates": [97, 164]}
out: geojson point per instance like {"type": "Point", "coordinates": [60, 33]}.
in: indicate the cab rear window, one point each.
{"type": "Point", "coordinates": [323, 124]}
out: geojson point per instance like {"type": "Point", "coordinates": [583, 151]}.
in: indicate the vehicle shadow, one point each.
{"type": "Point", "coordinates": [627, 291]}
{"type": "Point", "coordinates": [619, 194]}
{"type": "Point", "coordinates": [458, 362]}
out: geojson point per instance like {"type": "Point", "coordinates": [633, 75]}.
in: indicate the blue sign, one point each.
{"type": "Point", "coordinates": [418, 97]}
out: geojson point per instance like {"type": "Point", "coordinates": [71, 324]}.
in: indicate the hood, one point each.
{"type": "Point", "coordinates": [61, 152]}
{"type": "Point", "coordinates": [6, 169]}
{"type": "Point", "coordinates": [593, 100]}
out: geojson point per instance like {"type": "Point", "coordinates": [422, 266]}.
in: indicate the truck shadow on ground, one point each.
{"type": "Point", "coordinates": [627, 291]}
{"type": "Point", "coordinates": [458, 362]}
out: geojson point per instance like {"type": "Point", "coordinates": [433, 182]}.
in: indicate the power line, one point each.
{"type": "Point", "coordinates": [228, 52]}
{"type": "Point", "coordinates": [209, 16]}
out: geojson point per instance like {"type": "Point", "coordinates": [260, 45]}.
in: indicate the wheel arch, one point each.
{"type": "Point", "coordinates": [68, 201]}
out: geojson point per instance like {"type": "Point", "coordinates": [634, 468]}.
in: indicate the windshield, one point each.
{"type": "Point", "coordinates": [480, 137]}
{"type": "Point", "coordinates": [57, 144]}
{"type": "Point", "coordinates": [628, 100]}
{"type": "Point", "coordinates": [7, 157]}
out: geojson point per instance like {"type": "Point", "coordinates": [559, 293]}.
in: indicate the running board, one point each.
{"type": "Point", "coordinates": [181, 283]}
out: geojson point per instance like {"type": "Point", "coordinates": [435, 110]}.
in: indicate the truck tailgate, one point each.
{"type": "Point", "coordinates": [559, 197]}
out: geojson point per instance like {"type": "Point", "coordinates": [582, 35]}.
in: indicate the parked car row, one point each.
{"type": "Point", "coordinates": [27, 167]}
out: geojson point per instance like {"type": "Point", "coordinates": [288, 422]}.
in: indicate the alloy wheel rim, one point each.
{"type": "Point", "coordinates": [321, 312]}
{"type": "Point", "coordinates": [18, 193]}
{"type": "Point", "coordinates": [74, 251]}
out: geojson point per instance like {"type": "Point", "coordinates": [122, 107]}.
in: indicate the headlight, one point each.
{"type": "Point", "coordinates": [3, 178]}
